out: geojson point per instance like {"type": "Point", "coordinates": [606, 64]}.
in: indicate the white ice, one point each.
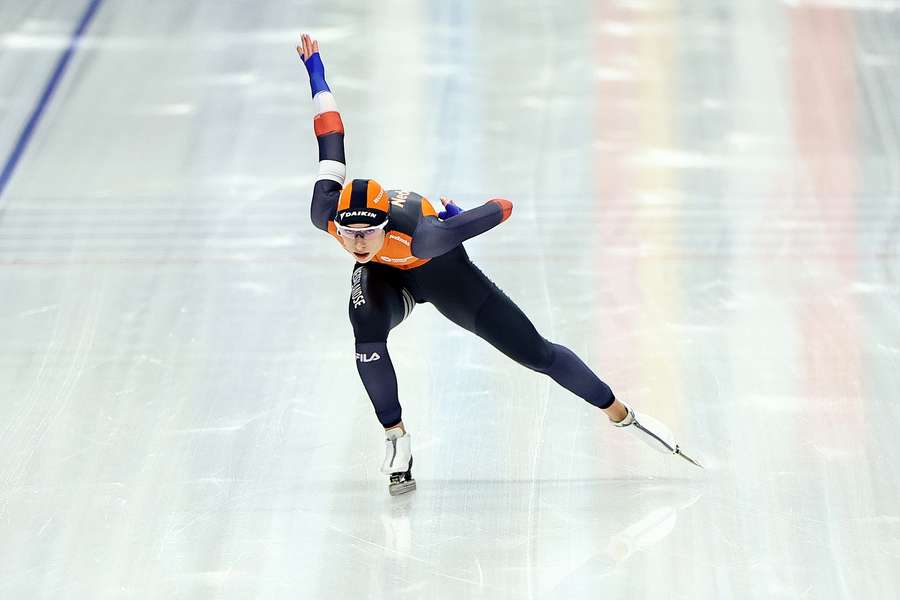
{"type": "Point", "coordinates": [707, 211]}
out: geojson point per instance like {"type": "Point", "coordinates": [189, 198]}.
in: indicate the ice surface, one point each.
{"type": "Point", "coordinates": [706, 210]}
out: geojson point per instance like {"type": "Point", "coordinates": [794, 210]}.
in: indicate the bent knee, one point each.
{"type": "Point", "coordinates": [369, 324]}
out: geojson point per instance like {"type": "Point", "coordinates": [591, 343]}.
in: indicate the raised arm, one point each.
{"type": "Point", "coordinates": [434, 236]}
{"type": "Point", "coordinates": [330, 135]}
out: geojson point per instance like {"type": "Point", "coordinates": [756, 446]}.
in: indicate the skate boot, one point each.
{"type": "Point", "coordinates": [653, 433]}
{"type": "Point", "coordinates": [398, 462]}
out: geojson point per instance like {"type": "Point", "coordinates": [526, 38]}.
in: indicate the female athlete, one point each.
{"type": "Point", "coordinates": [408, 253]}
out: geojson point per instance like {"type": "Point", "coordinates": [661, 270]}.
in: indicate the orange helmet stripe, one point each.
{"type": "Point", "coordinates": [363, 193]}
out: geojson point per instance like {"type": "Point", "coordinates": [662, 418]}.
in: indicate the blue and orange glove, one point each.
{"type": "Point", "coordinates": [450, 209]}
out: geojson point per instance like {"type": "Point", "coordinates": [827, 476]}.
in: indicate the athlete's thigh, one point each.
{"type": "Point", "coordinates": [457, 289]}
{"type": "Point", "coordinates": [377, 302]}
{"type": "Point", "coordinates": [471, 300]}
{"type": "Point", "coordinates": [465, 295]}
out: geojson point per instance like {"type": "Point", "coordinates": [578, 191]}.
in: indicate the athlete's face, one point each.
{"type": "Point", "coordinates": [362, 248]}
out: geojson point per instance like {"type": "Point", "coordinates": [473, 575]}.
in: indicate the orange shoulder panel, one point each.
{"type": "Point", "coordinates": [427, 208]}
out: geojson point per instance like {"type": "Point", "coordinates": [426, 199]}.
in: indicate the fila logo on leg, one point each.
{"type": "Point", "coordinates": [367, 358]}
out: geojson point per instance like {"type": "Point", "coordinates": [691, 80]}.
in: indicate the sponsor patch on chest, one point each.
{"type": "Point", "coordinates": [405, 241]}
{"type": "Point", "coordinates": [401, 260]}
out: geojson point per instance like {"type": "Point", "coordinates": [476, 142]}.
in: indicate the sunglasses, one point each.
{"type": "Point", "coordinates": [365, 233]}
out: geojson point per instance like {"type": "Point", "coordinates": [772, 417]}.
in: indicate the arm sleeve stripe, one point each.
{"type": "Point", "coordinates": [329, 122]}
{"type": "Point", "coordinates": [333, 171]}
{"type": "Point", "coordinates": [324, 102]}
{"type": "Point", "coordinates": [505, 205]}
{"type": "Point", "coordinates": [331, 147]}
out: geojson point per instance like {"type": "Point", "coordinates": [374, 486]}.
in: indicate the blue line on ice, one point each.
{"type": "Point", "coordinates": [30, 125]}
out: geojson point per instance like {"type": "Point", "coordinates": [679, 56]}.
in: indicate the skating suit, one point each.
{"type": "Point", "coordinates": [423, 260]}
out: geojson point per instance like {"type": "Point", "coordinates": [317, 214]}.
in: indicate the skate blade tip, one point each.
{"type": "Point", "coordinates": [689, 459]}
{"type": "Point", "coordinates": [694, 462]}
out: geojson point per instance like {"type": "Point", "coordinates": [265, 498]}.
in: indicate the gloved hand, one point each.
{"type": "Point", "coordinates": [450, 209]}
{"type": "Point", "coordinates": [309, 54]}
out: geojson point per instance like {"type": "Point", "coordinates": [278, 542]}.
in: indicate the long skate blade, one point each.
{"type": "Point", "coordinates": [395, 489]}
{"type": "Point", "coordinates": [679, 452]}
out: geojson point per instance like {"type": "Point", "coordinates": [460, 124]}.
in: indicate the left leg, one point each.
{"type": "Point", "coordinates": [463, 294]}
{"type": "Point", "coordinates": [503, 324]}
{"type": "Point", "coordinates": [500, 322]}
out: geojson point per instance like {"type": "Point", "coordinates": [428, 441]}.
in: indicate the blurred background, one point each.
{"type": "Point", "coordinates": [707, 211]}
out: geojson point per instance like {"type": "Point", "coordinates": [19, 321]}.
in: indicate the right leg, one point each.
{"type": "Point", "coordinates": [378, 303]}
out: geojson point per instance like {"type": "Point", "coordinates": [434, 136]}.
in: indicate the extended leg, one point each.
{"type": "Point", "coordinates": [505, 326]}
{"type": "Point", "coordinates": [468, 298]}
{"type": "Point", "coordinates": [475, 303]}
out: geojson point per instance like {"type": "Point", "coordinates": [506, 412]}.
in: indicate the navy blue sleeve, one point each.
{"type": "Point", "coordinates": [434, 237]}
{"type": "Point", "coordinates": [324, 202]}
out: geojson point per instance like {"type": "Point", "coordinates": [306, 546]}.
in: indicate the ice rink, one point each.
{"type": "Point", "coordinates": [707, 211]}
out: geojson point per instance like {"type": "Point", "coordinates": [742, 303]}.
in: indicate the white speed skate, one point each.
{"type": "Point", "coordinates": [398, 461]}
{"type": "Point", "coordinates": [653, 433]}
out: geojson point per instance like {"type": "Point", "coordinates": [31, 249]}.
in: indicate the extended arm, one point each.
{"type": "Point", "coordinates": [330, 135]}
{"type": "Point", "coordinates": [434, 237]}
